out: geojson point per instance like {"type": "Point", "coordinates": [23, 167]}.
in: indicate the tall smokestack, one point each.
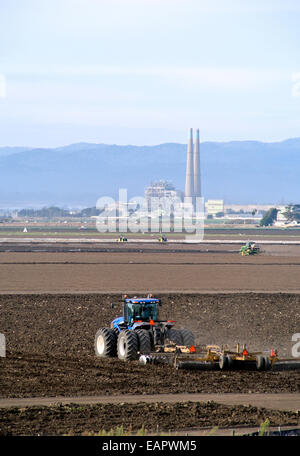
{"type": "Point", "coordinates": [189, 177]}
{"type": "Point", "coordinates": [197, 175]}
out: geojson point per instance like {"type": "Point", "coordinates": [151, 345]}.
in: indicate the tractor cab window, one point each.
{"type": "Point", "coordinates": [144, 312]}
{"type": "Point", "coordinates": [134, 312]}
{"type": "Point", "coordinates": [130, 313]}
{"type": "Point", "coordinates": [149, 312]}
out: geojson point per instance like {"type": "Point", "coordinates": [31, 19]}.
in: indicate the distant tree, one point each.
{"type": "Point", "coordinates": [45, 212]}
{"type": "Point", "coordinates": [269, 217]}
{"type": "Point", "coordinates": [293, 213]}
{"type": "Point", "coordinates": [89, 212]}
{"type": "Point", "coordinates": [220, 214]}
{"type": "Point", "coordinates": [5, 219]}
{"type": "Point", "coordinates": [57, 212]}
{"type": "Point", "coordinates": [210, 217]}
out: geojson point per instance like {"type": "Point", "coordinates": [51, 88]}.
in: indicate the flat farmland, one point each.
{"type": "Point", "coordinates": [50, 355]}
{"type": "Point", "coordinates": [53, 302]}
{"type": "Point", "coordinates": [139, 269]}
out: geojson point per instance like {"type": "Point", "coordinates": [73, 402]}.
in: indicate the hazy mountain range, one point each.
{"type": "Point", "coordinates": [77, 175]}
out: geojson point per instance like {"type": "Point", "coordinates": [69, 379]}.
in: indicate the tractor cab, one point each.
{"type": "Point", "coordinates": [249, 248]}
{"type": "Point", "coordinates": [250, 244]}
{"type": "Point", "coordinates": [140, 310]}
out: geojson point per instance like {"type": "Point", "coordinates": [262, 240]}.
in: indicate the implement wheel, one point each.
{"type": "Point", "coordinates": [230, 362]}
{"type": "Point", "coordinates": [127, 345]}
{"type": "Point", "coordinates": [223, 362]}
{"type": "Point", "coordinates": [106, 343]}
{"type": "Point", "coordinates": [260, 363]}
{"type": "Point", "coordinates": [268, 363]}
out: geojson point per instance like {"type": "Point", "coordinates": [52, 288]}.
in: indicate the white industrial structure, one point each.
{"type": "Point", "coordinates": [193, 175]}
{"type": "Point", "coordinates": [162, 195]}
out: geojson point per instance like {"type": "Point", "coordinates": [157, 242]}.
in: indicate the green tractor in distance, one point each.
{"type": "Point", "coordinates": [122, 238]}
{"type": "Point", "coordinates": [163, 239]}
{"type": "Point", "coordinates": [249, 249]}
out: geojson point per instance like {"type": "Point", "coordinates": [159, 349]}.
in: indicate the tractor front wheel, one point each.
{"type": "Point", "coordinates": [105, 343]}
{"type": "Point", "coordinates": [127, 345]}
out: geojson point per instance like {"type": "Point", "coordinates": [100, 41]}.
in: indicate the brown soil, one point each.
{"type": "Point", "coordinates": [158, 417]}
{"type": "Point", "coordinates": [50, 337]}
{"type": "Point", "coordinates": [50, 344]}
{"type": "Point", "coordinates": [133, 271]}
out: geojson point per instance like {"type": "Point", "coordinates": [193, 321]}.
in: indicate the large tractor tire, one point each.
{"type": "Point", "coordinates": [144, 340]}
{"type": "Point", "coordinates": [188, 338]}
{"type": "Point", "coordinates": [175, 336]}
{"type": "Point", "coordinates": [127, 346]}
{"type": "Point", "coordinates": [106, 343]}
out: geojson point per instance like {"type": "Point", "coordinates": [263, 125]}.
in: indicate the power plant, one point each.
{"type": "Point", "coordinates": [193, 176]}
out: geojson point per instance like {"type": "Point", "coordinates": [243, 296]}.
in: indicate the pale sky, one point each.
{"type": "Point", "coordinates": [145, 71]}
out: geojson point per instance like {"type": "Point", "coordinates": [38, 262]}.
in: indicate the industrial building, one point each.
{"type": "Point", "coordinates": [214, 207]}
{"type": "Point", "coordinates": [162, 195]}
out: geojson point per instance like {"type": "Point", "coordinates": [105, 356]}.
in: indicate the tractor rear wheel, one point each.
{"type": "Point", "coordinates": [174, 335]}
{"type": "Point", "coordinates": [127, 345]}
{"type": "Point", "coordinates": [105, 343]}
{"type": "Point", "coordinates": [188, 338]}
{"type": "Point", "coordinates": [144, 341]}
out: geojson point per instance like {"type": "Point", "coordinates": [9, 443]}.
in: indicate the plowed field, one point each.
{"type": "Point", "coordinates": [50, 336]}
{"type": "Point", "coordinates": [50, 344]}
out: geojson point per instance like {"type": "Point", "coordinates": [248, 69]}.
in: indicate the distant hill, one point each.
{"type": "Point", "coordinates": [239, 171]}
{"type": "Point", "coordinates": [11, 150]}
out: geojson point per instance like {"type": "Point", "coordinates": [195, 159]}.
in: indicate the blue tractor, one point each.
{"type": "Point", "coordinates": [139, 331]}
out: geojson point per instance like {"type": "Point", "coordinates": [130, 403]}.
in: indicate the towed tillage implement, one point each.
{"type": "Point", "coordinates": [210, 357]}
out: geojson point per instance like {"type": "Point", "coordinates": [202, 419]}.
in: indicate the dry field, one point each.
{"type": "Point", "coordinates": [140, 268]}
{"type": "Point", "coordinates": [51, 305]}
